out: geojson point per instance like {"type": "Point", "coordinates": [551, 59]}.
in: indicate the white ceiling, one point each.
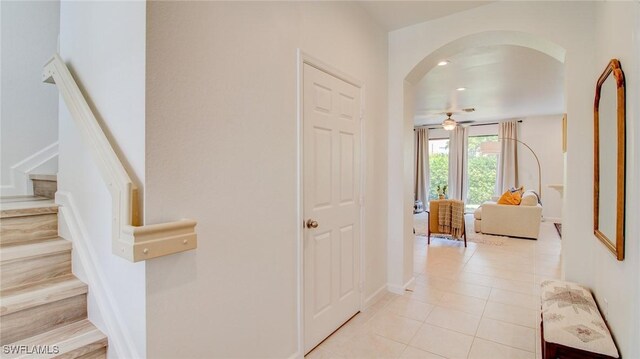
{"type": "Point", "coordinates": [394, 15]}
{"type": "Point", "coordinates": [503, 82]}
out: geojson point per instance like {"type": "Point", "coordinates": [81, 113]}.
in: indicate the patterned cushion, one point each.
{"type": "Point", "coordinates": [571, 318]}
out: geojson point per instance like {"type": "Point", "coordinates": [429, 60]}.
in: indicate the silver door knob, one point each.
{"type": "Point", "coordinates": [312, 224]}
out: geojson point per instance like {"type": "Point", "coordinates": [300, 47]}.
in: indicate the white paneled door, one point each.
{"type": "Point", "coordinates": [331, 182]}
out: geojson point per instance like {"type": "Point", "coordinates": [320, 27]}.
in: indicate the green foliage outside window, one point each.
{"type": "Point", "coordinates": [482, 171]}
{"type": "Point", "coordinates": [438, 166]}
{"type": "Point", "coordinates": [439, 173]}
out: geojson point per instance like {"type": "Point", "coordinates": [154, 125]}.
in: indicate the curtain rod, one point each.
{"type": "Point", "coordinates": [434, 127]}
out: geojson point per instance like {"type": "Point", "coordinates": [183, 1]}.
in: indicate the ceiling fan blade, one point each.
{"type": "Point", "coordinates": [430, 112]}
{"type": "Point", "coordinates": [444, 112]}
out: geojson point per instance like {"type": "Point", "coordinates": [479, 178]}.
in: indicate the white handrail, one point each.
{"type": "Point", "coordinates": [131, 240]}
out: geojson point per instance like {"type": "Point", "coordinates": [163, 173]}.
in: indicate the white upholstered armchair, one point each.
{"type": "Point", "coordinates": [510, 220]}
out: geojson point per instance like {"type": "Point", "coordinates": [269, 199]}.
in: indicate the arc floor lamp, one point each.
{"type": "Point", "coordinates": [534, 155]}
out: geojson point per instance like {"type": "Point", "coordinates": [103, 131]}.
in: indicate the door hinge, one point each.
{"type": "Point", "coordinates": [361, 201]}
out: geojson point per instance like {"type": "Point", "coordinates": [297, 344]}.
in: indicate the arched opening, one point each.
{"type": "Point", "coordinates": [403, 269]}
{"type": "Point", "coordinates": [487, 38]}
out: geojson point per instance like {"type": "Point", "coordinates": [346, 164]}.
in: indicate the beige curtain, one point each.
{"type": "Point", "coordinates": [458, 163]}
{"type": "Point", "coordinates": [508, 159]}
{"type": "Point", "coordinates": [421, 180]}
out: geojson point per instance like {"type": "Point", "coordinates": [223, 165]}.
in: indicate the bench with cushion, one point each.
{"type": "Point", "coordinates": [572, 326]}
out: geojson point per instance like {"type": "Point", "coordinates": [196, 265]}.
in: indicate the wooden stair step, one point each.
{"type": "Point", "coordinates": [27, 218]}
{"type": "Point", "coordinates": [34, 249]}
{"type": "Point", "coordinates": [76, 340]}
{"type": "Point", "coordinates": [43, 177]}
{"type": "Point", "coordinates": [20, 206]}
{"type": "Point", "coordinates": [44, 185]}
{"type": "Point", "coordinates": [20, 198]}
{"type": "Point", "coordinates": [15, 300]}
{"type": "Point", "coordinates": [29, 263]}
{"type": "Point", "coordinates": [33, 321]}
{"type": "Point", "coordinates": [33, 309]}
{"type": "Point", "coordinates": [42, 305]}
{"type": "Point", "coordinates": [28, 228]}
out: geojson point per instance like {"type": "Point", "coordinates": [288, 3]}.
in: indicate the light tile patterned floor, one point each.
{"type": "Point", "coordinates": [481, 302]}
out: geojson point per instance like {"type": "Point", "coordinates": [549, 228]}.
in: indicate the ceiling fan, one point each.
{"type": "Point", "coordinates": [449, 124]}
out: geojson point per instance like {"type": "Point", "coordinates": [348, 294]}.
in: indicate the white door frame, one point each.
{"type": "Point", "coordinates": [304, 58]}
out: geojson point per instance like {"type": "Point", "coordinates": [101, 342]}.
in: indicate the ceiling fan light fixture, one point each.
{"type": "Point", "coordinates": [449, 124]}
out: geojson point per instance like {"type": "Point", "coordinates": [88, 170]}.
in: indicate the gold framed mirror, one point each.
{"type": "Point", "coordinates": [609, 159]}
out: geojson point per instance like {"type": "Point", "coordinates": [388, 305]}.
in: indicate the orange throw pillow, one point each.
{"type": "Point", "coordinates": [511, 197]}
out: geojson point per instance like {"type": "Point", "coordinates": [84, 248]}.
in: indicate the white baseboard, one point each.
{"type": "Point", "coordinates": [116, 330]}
{"type": "Point", "coordinates": [379, 293]}
{"type": "Point", "coordinates": [552, 219]}
{"type": "Point", "coordinates": [397, 289]}
{"type": "Point", "coordinates": [296, 355]}
{"type": "Point", "coordinates": [20, 171]}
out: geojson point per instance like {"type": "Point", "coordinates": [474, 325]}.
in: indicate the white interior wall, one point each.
{"type": "Point", "coordinates": [544, 135]}
{"type": "Point", "coordinates": [222, 149]}
{"type": "Point", "coordinates": [615, 282]}
{"type": "Point", "coordinates": [28, 108]}
{"type": "Point", "coordinates": [103, 43]}
{"type": "Point", "coordinates": [407, 276]}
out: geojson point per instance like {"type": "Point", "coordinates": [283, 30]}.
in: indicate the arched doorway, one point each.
{"type": "Point", "coordinates": [400, 245]}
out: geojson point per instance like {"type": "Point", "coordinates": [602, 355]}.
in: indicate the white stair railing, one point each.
{"type": "Point", "coordinates": [131, 239]}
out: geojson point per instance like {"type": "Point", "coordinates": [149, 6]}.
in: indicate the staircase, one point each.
{"type": "Point", "coordinates": [43, 306]}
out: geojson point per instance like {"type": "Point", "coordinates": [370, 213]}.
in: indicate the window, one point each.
{"type": "Point", "coordinates": [438, 165]}
{"type": "Point", "coordinates": [482, 166]}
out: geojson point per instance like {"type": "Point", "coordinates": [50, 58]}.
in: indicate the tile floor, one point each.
{"type": "Point", "coordinates": [481, 302]}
